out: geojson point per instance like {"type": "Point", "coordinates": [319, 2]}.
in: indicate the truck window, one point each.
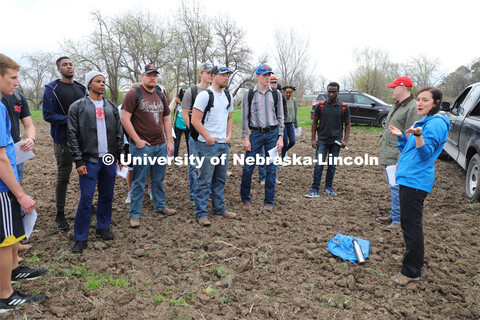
{"type": "Point", "coordinates": [461, 98]}
{"type": "Point", "coordinates": [469, 97]}
{"type": "Point", "coordinates": [475, 112]}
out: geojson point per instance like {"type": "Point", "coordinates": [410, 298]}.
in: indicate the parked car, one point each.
{"type": "Point", "coordinates": [463, 142]}
{"type": "Point", "coordinates": [363, 107]}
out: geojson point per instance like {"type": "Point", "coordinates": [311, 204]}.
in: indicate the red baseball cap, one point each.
{"type": "Point", "coordinates": [402, 81]}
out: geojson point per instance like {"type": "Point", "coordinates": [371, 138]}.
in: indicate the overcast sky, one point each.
{"type": "Point", "coordinates": [447, 30]}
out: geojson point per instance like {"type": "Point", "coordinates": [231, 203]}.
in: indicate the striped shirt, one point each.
{"type": "Point", "coordinates": [262, 111]}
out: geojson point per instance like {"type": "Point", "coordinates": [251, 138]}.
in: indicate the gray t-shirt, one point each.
{"type": "Point", "coordinates": [187, 97]}
{"type": "Point", "coordinates": [101, 128]}
{"type": "Point", "coordinates": [216, 119]}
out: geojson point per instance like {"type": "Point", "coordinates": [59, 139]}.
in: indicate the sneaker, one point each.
{"type": "Point", "coordinates": [268, 207]}
{"type": "Point", "coordinates": [402, 280]}
{"type": "Point", "coordinates": [20, 273]}
{"type": "Point", "coordinates": [17, 299]}
{"type": "Point", "coordinates": [127, 200]}
{"type": "Point", "coordinates": [229, 215]}
{"type": "Point", "coordinates": [167, 211]}
{"type": "Point", "coordinates": [135, 222]}
{"type": "Point", "coordinates": [312, 194]}
{"type": "Point", "coordinates": [204, 222]}
{"type": "Point", "coordinates": [105, 234]}
{"type": "Point", "coordinates": [329, 191]}
{"type": "Point", "coordinates": [385, 219]}
{"type": "Point", "coordinates": [150, 194]}
{"type": "Point", "coordinates": [61, 223]}
{"type": "Point", "coordinates": [79, 246]}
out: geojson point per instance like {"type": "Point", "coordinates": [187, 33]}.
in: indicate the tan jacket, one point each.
{"type": "Point", "coordinates": [402, 115]}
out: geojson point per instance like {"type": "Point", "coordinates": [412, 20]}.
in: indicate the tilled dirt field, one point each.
{"type": "Point", "coordinates": [262, 265]}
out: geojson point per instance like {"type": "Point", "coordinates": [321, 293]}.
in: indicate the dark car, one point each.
{"type": "Point", "coordinates": [363, 107]}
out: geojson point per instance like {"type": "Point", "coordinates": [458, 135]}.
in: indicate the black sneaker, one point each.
{"type": "Point", "coordinates": [61, 223]}
{"type": "Point", "coordinates": [17, 299]}
{"type": "Point", "coordinates": [105, 234]}
{"type": "Point", "coordinates": [79, 246]}
{"type": "Point", "coordinates": [20, 273]}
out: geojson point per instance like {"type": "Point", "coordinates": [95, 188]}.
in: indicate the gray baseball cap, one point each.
{"type": "Point", "coordinates": [205, 67]}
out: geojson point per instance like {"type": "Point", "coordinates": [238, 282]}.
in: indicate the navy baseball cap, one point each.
{"type": "Point", "coordinates": [264, 69]}
{"type": "Point", "coordinates": [220, 70]}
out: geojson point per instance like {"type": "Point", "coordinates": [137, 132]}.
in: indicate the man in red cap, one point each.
{"type": "Point", "coordinates": [402, 115]}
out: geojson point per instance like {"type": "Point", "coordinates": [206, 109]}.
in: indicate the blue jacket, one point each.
{"type": "Point", "coordinates": [415, 168]}
{"type": "Point", "coordinates": [54, 113]}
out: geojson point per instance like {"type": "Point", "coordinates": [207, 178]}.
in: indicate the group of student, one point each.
{"type": "Point", "coordinates": [88, 130]}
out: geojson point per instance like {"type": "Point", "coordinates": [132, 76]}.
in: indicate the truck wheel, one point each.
{"type": "Point", "coordinates": [472, 181]}
{"type": "Point", "coordinates": [383, 121]}
{"type": "Point", "coordinates": [444, 156]}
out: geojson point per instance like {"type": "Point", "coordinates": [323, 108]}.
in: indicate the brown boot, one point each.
{"type": "Point", "coordinates": [167, 211]}
{"type": "Point", "coordinates": [229, 215]}
{"type": "Point", "coordinates": [204, 222]}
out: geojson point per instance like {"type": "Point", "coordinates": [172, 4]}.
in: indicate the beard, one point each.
{"type": "Point", "coordinates": [67, 76]}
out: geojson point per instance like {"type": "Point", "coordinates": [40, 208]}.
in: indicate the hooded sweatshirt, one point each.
{"type": "Point", "coordinates": [415, 167]}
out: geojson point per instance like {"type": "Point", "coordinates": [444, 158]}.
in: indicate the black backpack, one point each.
{"type": "Point", "coordinates": [250, 99]}
{"type": "Point", "coordinates": [138, 91]}
{"type": "Point", "coordinates": [18, 98]}
{"type": "Point", "coordinates": [193, 132]}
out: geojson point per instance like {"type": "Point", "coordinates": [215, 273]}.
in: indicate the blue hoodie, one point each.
{"type": "Point", "coordinates": [54, 113]}
{"type": "Point", "coordinates": [415, 168]}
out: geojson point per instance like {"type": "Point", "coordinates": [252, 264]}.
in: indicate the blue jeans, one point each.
{"type": "Point", "coordinates": [324, 148]}
{"type": "Point", "coordinates": [262, 171]}
{"type": "Point", "coordinates": [288, 137]}
{"type": "Point", "coordinates": [395, 205]}
{"type": "Point", "coordinates": [139, 179]}
{"type": "Point", "coordinates": [105, 177]}
{"type": "Point", "coordinates": [258, 141]}
{"type": "Point", "coordinates": [20, 171]}
{"type": "Point", "coordinates": [192, 171]}
{"type": "Point", "coordinates": [212, 177]}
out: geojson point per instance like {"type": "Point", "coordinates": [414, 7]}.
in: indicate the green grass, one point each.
{"type": "Point", "coordinates": [36, 114]}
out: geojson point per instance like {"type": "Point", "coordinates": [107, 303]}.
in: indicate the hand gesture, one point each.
{"type": "Point", "coordinates": [395, 131]}
{"type": "Point", "coordinates": [417, 130]}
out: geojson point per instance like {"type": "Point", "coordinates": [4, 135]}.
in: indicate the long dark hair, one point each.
{"type": "Point", "coordinates": [437, 96]}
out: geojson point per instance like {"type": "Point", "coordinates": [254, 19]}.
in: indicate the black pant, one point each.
{"type": "Point", "coordinates": [64, 168]}
{"type": "Point", "coordinates": [411, 213]}
{"type": "Point", "coordinates": [178, 135]}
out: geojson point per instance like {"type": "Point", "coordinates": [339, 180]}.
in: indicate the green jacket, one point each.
{"type": "Point", "coordinates": [402, 115]}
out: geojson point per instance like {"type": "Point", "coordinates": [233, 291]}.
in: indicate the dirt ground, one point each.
{"type": "Point", "coordinates": [262, 265]}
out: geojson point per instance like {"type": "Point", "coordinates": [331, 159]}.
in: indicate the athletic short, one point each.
{"type": "Point", "coordinates": [126, 148]}
{"type": "Point", "coordinates": [11, 224]}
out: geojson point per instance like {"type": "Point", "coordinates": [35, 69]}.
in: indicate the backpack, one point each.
{"type": "Point", "coordinates": [138, 91]}
{"type": "Point", "coordinates": [193, 132]}
{"type": "Point", "coordinates": [250, 99]}
{"type": "Point", "coordinates": [321, 104]}
{"type": "Point", "coordinates": [18, 99]}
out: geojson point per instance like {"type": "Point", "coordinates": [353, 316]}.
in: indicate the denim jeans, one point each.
{"type": "Point", "coordinates": [192, 170]}
{"type": "Point", "coordinates": [288, 137]}
{"type": "Point", "coordinates": [139, 179]}
{"type": "Point", "coordinates": [104, 175]}
{"type": "Point", "coordinates": [395, 204]}
{"type": "Point", "coordinates": [64, 168]}
{"type": "Point", "coordinates": [20, 171]}
{"type": "Point", "coordinates": [212, 177]}
{"type": "Point", "coordinates": [411, 206]}
{"type": "Point", "coordinates": [324, 149]}
{"type": "Point", "coordinates": [258, 141]}
{"type": "Point", "coordinates": [262, 169]}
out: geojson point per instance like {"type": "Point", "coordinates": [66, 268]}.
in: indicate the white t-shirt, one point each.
{"type": "Point", "coordinates": [217, 118]}
{"type": "Point", "coordinates": [101, 128]}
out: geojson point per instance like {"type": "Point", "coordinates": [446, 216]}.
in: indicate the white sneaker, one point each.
{"type": "Point", "coordinates": [150, 194]}
{"type": "Point", "coordinates": [127, 200]}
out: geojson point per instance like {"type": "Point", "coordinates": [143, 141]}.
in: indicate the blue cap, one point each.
{"type": "Point", "coordinates": [263, 69]}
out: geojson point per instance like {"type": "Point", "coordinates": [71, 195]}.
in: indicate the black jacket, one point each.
{"type": "Point", "coordinates": [82, 131]}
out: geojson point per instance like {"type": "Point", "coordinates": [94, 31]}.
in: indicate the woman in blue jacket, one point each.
{"type": "Point", "coordinates": [415, 175]}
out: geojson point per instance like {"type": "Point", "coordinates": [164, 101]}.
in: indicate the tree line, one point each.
{"type": "Point", "coordinates": [121, 45]}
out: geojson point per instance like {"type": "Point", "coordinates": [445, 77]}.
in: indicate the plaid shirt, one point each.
{"type": "Point", "coordinates": [262, 111]}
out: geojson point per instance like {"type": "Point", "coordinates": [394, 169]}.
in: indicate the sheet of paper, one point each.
{"type": "Point", "coordinates": [173, 133]}
{"type": "Point", "coordinates": [272, 154]}
{"type": "Point", "coordinates": [298, 131]}
{"type": "Point", "coordinates": [29, 222]}
{"type": "Point", "coordinates": [22, 156]}
{"type": "Point", "coordinates": [391, 170]}
{"type": "Point", "coordinates": [122, 172]}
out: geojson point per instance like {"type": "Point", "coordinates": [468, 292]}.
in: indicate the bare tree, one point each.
{"type": "Point", "coordinates": [38, 70]}
{"type": "Point", "coordinates": [232, 51]}
{"type": "Point", "coordinates": [423, 71]}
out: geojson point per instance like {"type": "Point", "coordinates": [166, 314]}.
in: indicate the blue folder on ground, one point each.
{"type": "Point", "coordinates": [342, 246]}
